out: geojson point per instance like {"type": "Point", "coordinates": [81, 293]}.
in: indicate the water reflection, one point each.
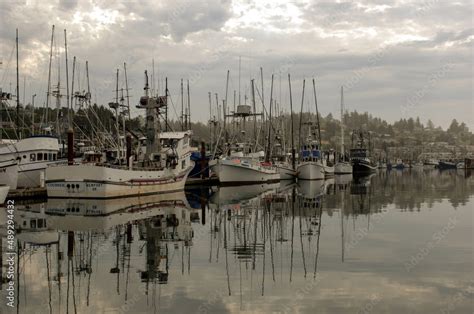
{"type": "Point", "coordinates": [230, 249]}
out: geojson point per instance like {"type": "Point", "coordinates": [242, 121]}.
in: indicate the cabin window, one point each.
{"type": "Point", "coordinates": [32, 157]}
{"type": "Point", "coordinates": [39, 156]}
{"type": "Point", "coordinates": [54, 156]}
{"type": "Point", "coordinates": [33, 224]}
{"type": "Point", "coordinates": [40, 223]}
{"type": "Point", "coordinates": [50, 156]}
{"type": "Point", "coordinates": [24, 156]}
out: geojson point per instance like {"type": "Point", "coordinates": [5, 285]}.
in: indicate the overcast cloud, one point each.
{"type": "Point", "coordinates": [395, 58]}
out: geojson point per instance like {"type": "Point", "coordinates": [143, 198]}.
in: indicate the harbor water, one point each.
{"type": "Point", "coordinates": [391, 242]}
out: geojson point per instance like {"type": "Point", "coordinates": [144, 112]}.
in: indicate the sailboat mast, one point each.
{"type": "Point", "coordinates": [67, 79]}
{"type": "Point", "coordinates": [49, 76]}
{"type": "Point", "coordinates": [225, 106]}
{"type": "Point", "coordinates": [301, 117]}
{"type": "Point", "coordinates": [293, 153]}
{"type": "Point", "coordinates": [126, 89]}
{"type": "Point", "coordinates": [182, 106]}
{"type": "Point", "coordinates": [254, 115]}
{"type": "Point", "coordinates": [189, 107]}
{"type": "Point", "coordinates": [317, 114]}
{"type": "Point", "coordinates": [17, 86]}
{"type": "Point", "coordinates": [268, 153]}
{"type": "Point", "coordinates": [342, 120]}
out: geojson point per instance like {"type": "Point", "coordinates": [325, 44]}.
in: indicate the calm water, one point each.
{"type": "Point", "coordinates": [397, 242]}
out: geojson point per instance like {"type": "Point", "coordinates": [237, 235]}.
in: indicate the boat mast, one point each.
{"type": "Point", "coordinates": [293, 153]}
{"type": "Point", "coordinates": [126, 89]}
{"type": "Point", "coordinates": [255, 115]}
{"type": "Point", "coordinates": [226, 136]}
{"type": "Point", "coordinates": [48, 92]}
{"type": "Point", "coordinates": [189, 108]}
{"type": "Point", "coordinates": [301, 117]}
{"type": "Point", "coordinates": [269, 150]}
{"type": "Point", "coordinates": [342, 121]}
{"type": "Point", "coordinates": [317, 114]}
{"type": "Point", "coordinates": [17, 87]}
{"type": "Point", "coordinates": [67, 79]}
{"type": "Point", "coordinates": [182, 106]}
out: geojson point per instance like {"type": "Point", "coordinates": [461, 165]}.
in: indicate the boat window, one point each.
{"type": "Point", "coordinates": [40, 223]}
{"type": "Point", "coordinates": [32, 224]}
{"type": "Point", "coordinates": [32, 157]}
{"type": "Point", "coordinates": [24, 156]}
{"type": "Point", "coordinates": [50, 156]}
{"type": "Point", "coordinates": [39, 156]}
{"type": "Point", "coordinates": [54, 156]}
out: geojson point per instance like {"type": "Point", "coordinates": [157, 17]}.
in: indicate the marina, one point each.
{"type": "Point", "coordinates": [236, 156]}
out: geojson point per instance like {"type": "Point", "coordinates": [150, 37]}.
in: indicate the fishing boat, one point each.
{"type": "Point", "coordinates": [33, 155]}
{"type": "Point", "coordinates": [311, 165]}
{"type": "Point", "coordinates": [343, 165]}
{"type": "Point", "coordinates": [159, 172]}
{"type": "Point", "coordinates": [360, 155]}
{"type": "Point", "coordinates": [240, 169]}
{"type": "Point", "coordinates": [447, 164]}
{"type": "Point", "coordinates": [243, 162]}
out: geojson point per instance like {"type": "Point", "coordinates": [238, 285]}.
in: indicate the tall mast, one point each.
{"type": "Point", "coordinates": [117, 110]}
{"type": "Point", "coordinates": [269, 150]}
{"type": "Point", "coordinates": [254, 115]}
{"type": "Point", "coordinates": [240, 64]}
{"type": "Point", "coordinates": [189, 108]}
{"type": "Point", "coordinates": [182, 106]}
{"type": "Point", "coordinates": [17, 86]}
{"type": "Point", "coordinates": [210, 123]}
{"type": "Point", "coordinates": [49, 75]}
{"type": "Point", "coordinates": [166, 112]}
{"type": "Point", "coordinates": [72, 85]}
{"type": "Point", "coordinates": [67, 79]}
{"type": "Point", "coordinates": [342, 120]}
{"type": "Point", "coordinates": [301, 117]}
{"type": "Point", "coordinates": [317, 114]}
{"type": "Point", "coordinates": [225, 107]}
{"type": "Point", "coordinates": [126, 89]}
{"type": "Point", "coordinates": [293, 153]}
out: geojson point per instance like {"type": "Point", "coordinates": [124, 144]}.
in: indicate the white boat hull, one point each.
{"type": "Point", "coordinates": [28, 152]}
{"type": "Point", "coordinates": [235, 171]}
{"type": "Point", "coordinates": [310, 170]}
{"type": "Point", "coordinates": [3, 193]}
{"type": "Point", "coordinates": [9, 173]}
{"type": "Point", "coordinates": [343, 168]}
{"type": "Point", "coordinates": [91, 181]}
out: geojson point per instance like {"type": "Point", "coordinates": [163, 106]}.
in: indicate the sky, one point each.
{"type": "Point", "coordinates": [395, 59]}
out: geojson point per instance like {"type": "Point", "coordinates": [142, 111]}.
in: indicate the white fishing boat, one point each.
{"type": "Point", "coordinates": [343, 165]}
{"type": "Point", "coordinates": [3, 193]}
{"type": "Point", "coordinates": [244, 170]}
{"type": "Point", "coordinates": [9, 173]}
{"type": "Point", "coordinates": [33, 155]}
{"type": "Point", "coordinates": [161, 171]}
{"type": "Point", "coordinates": [311, 166]}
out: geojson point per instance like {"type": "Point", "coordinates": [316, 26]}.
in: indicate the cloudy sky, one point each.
{"type": "Point", "coordinates": [396, 58]}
